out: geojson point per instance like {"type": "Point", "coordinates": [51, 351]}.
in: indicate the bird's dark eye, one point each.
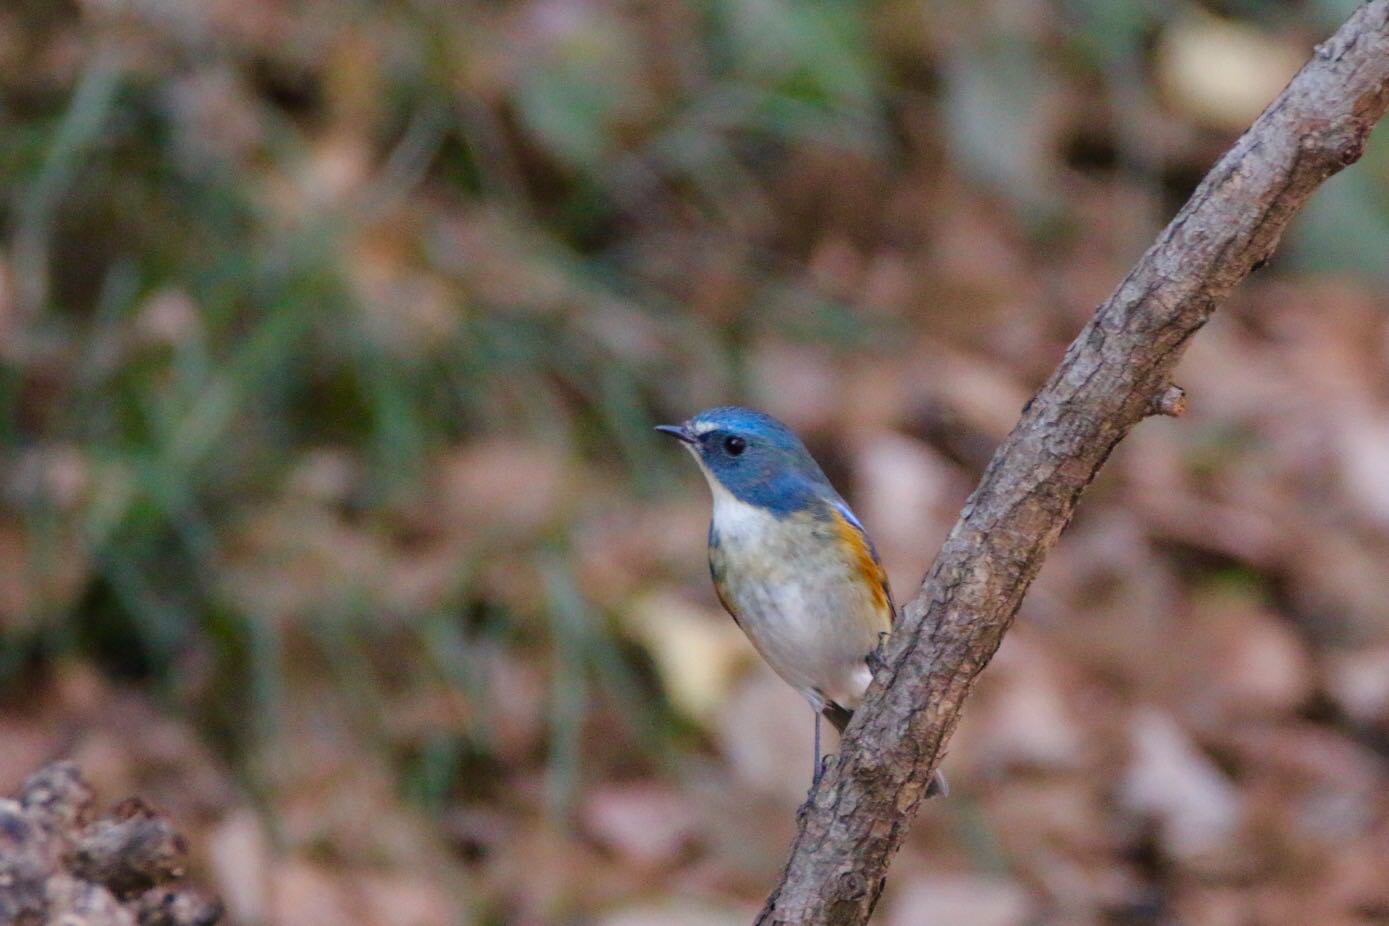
{"type": "Point", "coordinates": [734, 445]}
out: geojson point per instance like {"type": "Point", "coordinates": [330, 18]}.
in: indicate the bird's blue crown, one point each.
{"type": "Point", "coordinates": [757, 458]}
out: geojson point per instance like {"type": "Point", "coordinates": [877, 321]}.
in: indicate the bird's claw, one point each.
{"type": "Point", "coordinates": [876, 659]}
{"type": "Point", "coordinates": [814, 785]}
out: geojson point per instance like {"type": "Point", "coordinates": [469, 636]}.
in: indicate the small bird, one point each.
{"type": "Point", "coordinates": [791, 562]}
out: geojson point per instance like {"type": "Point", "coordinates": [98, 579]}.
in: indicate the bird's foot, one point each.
{"type": "Point", "coordinates": [815, 779]}
{"type": "Point", "coordinates": [877, 657]}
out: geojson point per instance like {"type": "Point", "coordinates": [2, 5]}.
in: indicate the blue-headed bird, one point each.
{"type": "Point", "coordinates": [790, 561]}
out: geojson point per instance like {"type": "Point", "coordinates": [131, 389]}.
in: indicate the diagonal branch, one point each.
{"type": "Point", "coordinates": [1113, 375]}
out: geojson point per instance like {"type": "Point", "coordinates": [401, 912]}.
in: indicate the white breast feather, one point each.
{"type": "Point", "coordinates": [805, 621]}
{"type": "Point", "coordinates": [736, 519]}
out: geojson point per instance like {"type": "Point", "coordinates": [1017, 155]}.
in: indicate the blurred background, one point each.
{"type": "Point", "coordinates": [332, 520]}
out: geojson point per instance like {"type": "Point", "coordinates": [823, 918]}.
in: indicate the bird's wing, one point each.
{"type": "Point", "coordinates": [865, 556]}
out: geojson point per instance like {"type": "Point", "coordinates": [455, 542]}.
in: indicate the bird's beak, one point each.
{"type": "Point", "coordinates": [678, 431]}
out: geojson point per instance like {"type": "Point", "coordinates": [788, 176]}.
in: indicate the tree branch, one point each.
{"type": "Point", "coordinates": [1114, 374]}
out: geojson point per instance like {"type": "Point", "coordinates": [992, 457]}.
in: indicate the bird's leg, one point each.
{"type": "Point", "coordinates": [875, 658]}
{"type": "Point", "coordinates": [814, 775]}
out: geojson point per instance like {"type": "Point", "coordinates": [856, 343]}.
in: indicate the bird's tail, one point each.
{"type": "Point", "coordinates": [839, 715]}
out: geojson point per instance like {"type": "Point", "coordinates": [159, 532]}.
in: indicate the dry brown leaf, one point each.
{"type": "Point", "coordinates": [947, 900]}
{"type": "Point", "coordinates": [648, 823]}
{"type": "Point", "coordinates": [1197, 807]}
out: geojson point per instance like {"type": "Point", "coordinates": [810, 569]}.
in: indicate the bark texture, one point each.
{"type": "Point", "coordinates": [1114, 374]}
{"type": "Point", "coordinates": [59, 866]}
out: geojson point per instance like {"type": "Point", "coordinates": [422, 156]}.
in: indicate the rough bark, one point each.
{"type": "Point", "coordinates": [59, 866]}
{"type": "Point", "coordinates": [1114, 374]}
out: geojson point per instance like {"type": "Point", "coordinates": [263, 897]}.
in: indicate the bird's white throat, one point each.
{"type": "Point", "coordinates": [734, 519]}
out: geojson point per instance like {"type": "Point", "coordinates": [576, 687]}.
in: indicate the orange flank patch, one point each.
{"type": "Point", "coordinates": [865, 561]}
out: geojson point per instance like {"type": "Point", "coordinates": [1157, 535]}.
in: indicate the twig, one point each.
{"type": "Point", "coordinates": [1114, 374]}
